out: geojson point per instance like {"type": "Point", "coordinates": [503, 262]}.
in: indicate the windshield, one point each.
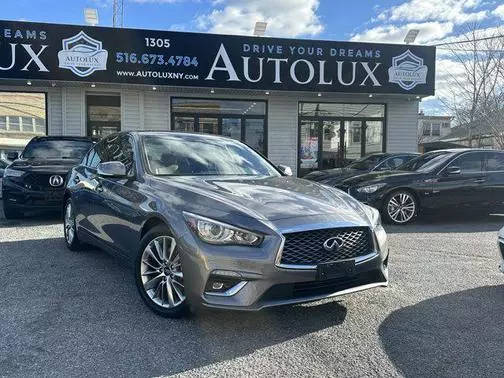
{"type": "Point", "coordinates": [367, 163]}
{"type": "Point", "coordinates": [426, 162]}
{"type": "Point", "coordinates": [56, 149]}
{"type": "Point", "coordinates": [192, 155]}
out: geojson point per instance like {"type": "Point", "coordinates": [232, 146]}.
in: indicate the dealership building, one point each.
{"type": "Point", "coordinates": [304, 103]}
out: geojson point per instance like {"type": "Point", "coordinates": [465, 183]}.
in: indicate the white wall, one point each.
{"type": "Point", "coordinates": [150, 110]}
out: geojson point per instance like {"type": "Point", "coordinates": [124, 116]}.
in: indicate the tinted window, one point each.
{"type": "Point", "coordinates": [395, 162]}
{"type": "Point", "coordinates": [198, 156]}
{"type": "Point", "coordinates": [469, 162]}
{"type": "Point", "coordinates": [56, 149]}
{"type": "Point", "coordinates": [495, 161]}
{"type": "Point", "coordinates": [116, 147]}
{"type": "Point", "coordinates": [3, 164]}
{"type": "Point", "coordinates": [94, 159]}
{"type": "Point", "coordinates": [368, 162]}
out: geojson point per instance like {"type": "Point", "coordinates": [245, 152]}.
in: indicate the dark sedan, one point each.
{"type": "Point", "coordinates": [36, 180]}
{"type": "Point", "coordinates": [378, 162]}
{"type": "Point", "coordinates": [205, 220]}
{"type": "Point", "coordinates": [444, 179]}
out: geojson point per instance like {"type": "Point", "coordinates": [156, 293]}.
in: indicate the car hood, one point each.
{"type": "Point", "coordinates": [271, 198]}
{"type": "Point", "coordinates": [375, 177]}
{"type": "Point", "coordinates": [54, 166]}
{"type": "Point", "coordinates": [337, 174]}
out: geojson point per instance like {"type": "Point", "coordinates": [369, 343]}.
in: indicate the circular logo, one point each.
{"type": "Point", "coordinates": [333, 244]}
{"type": "Point", "coordinates": [56, 180]}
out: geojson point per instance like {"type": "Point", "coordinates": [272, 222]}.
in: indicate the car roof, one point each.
{"type": "Point", "coordinates": [69, 138]}
{"type": "Point", "coordinates": [178, 134]}
{"type": "Point", "coordinates": [459, 150]}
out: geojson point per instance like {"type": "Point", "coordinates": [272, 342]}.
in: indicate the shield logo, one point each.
{"type": "Point", "coordinates": [407, 70]}
{"type": "Point", "coordinates": [82, 55]}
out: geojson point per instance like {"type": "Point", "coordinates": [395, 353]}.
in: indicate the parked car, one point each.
{"type": "Point", "coordinates": [444, 179]}
{"type": "Point", "coordinates": [35, 180]}
{"type": "Point", "coordinates": [3, 164]}
{"type": "Point", "coordinates": [501, 250]}
{"type": "Point", "coordinates": [372, 163]}
{"type": "Point", "coordinates": [206, 221]}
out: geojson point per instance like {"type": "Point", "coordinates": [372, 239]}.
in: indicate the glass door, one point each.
{"type": "Point", "coordinates": [309, 159]}
{"type": "Point", "coordinates": [332, 146]}
{"type": "Point", "coordinates": [103, 115]}
{"type": "Point", "coordinates": [183, 123]}
{"type": "Point", "coordinates": [209, 125]}
{"type": "Point", "coordinates": [231, 127]}
{"type": "Point", "coordinates": [353, 138]}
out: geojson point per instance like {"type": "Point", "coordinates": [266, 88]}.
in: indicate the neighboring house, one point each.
{"type": "Point", "coordinates": [22, 116]}
{"type": "Point", "coordinates": [431, 129]}
{"type": "Point", "coordinates": [482, 137]}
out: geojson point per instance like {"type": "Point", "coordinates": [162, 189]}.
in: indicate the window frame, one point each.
{"type": "Point", "coordinates": [220, 116]}
{"type": "Point", "coordinates": [455, 158]}
{"type": "Point", "coordinates": [487, 154]}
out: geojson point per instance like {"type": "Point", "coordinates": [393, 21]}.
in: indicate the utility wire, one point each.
{"type": "Point", "coordinates": [468, 41]}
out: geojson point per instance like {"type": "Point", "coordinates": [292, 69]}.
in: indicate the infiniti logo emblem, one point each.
{"type": "Point", "coordinates": [55, 180]}
{"type": "Point", "coordinates": [333, 244]}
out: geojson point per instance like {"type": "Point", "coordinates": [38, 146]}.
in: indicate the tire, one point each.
{"type": "Point", "coordinates": [11, 212]}
{"type": "Point", "coordinates": [70, 228]}
{"type": "Point", "coordinates": [159, 276]}
{"type": "Point", "coordinates": [400, 207]}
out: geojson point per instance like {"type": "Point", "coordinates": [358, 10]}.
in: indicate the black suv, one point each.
{"type": "Point", "coordinates": [35, 180]}
{"type": "Point", "coordinates": [440, 179]}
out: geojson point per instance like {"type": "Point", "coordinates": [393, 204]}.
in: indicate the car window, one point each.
{"type": "Point", "coordinates": [495, 161]}
{"type": "Point", "coordinates": [3, 164]}
{"type": "Point", "coordinates": [394, 162]}
{"type": "Point", "coordinates": [469, 163]}
{"type": "Point", "coordinates": [94, 159]}
{"type": "Point", "coordinates": [56, 149]}
{"type": "Point", "coordinates": [117, 147]}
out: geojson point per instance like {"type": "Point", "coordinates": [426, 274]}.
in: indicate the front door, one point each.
{"type": "Point", "coordinates": [462, 182]}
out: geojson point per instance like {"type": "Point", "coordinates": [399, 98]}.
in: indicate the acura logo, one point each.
{"type": "Point", "coordinates": [333, 244]}
{"type": "Point", "coordinates": [56, 180]}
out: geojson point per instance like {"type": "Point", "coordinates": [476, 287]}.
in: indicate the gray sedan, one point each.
{"type": "Point", "coordinates": [207, 221]}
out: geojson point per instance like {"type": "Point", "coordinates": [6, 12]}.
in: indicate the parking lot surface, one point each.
{"type": "Point", "coordinates": [64, 313]}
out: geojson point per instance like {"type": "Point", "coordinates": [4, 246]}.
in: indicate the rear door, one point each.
{"type": "Point", "coordinates": [494, 185]}
{"type": "Point", "coordinates": [466, 186]}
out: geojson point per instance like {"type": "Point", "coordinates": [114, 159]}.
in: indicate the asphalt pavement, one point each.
{"type": "Point", "coordinates": [66, 314]}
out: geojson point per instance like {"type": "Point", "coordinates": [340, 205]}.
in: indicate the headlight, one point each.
{"type": "Point", "coordinates": [370, 188]}
{"type": "Point", "coordinates": [215, 232]}
{"type": "Point", "coordinates": [13, 173]}
{"type": "Point", "coordinates": [373, 215]}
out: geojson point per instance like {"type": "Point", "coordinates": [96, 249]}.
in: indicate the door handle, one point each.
{"type": "Point", "coordinates": [76, 179]}
{"type": "Point", "coordinates": [479, 181]}
{"type": "Point", "coordinates": [99, 188]}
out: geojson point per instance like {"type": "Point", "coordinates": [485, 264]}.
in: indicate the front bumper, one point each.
{"type": "Point", "coordinates": [259, 283]}
{"type": "Point", "coordinates": [16, 195]}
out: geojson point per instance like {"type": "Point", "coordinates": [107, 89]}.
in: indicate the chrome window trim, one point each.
{"type": "Point", "coordinates": [455, 158]}
{"type": "Point", "coordinates": [229, 292]}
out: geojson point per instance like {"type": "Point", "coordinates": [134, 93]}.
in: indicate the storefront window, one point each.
{"type": "Point", "coordinates": [22, 116]}
{"type": "Point", "coordinates": [347, 132]}
{"type": "Point", "coordinates": [103, 115]}
{"type": "Point", "coordinates": [237, 119]}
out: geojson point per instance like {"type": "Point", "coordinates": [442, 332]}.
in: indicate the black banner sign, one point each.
{"type": "Point", "coordinates": [96, 54]}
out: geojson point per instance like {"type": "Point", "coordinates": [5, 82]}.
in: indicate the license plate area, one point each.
{"type": "Point", "coordinates": [336, 269]}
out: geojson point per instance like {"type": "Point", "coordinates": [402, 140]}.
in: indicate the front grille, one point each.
{"type": "Point", "coordinates": [38, 181]}
{"type": "Point", "coordinates": [306, 247]}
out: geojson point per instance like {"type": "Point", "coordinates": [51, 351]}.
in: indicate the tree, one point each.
{"type": "Point", "coordinates": [474, 89]}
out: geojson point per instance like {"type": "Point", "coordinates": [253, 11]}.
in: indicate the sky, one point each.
{"type": "Point", "coordinates": [358, 20]}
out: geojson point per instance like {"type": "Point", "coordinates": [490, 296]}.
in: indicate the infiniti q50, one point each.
{"type": "Point", "coordinates": [207, 221]}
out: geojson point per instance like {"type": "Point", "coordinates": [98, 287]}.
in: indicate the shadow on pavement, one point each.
{"type": "Point", "coordinates": [80, 314]}
{"type": "Point", "coordinates": [457, 335]}
{"type": "Point", "coordinates": [460, 221]}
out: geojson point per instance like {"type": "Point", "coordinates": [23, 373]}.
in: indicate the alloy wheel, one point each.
{"type": "Point", "coordinates": [401, 207]}
{"type": "Point", "coordinates": [161, 272]}
{"type": "Point", "coordinates": [69, 224]}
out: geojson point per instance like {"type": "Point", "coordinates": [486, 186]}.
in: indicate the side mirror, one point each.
{"type": "Point", "coordinates": [12, 156]}
{"type": "Point", "coordinates": [453, 170]}
{"type": "Point", "coordinates": [285, 170]}
{"type": "Point", "coordinates": [111, 169]}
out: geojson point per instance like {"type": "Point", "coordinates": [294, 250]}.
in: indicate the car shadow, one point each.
{"type": "Point", "coordinates": [80, 312]}
{"type": "Point", "coordinates": [460, 221]}
{"type": "Point", "coordinates": [456, 335]}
